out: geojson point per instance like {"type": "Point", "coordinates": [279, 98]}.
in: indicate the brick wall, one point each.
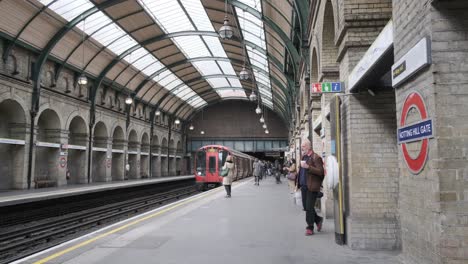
{"type": "Point", "coordinates": [371, 172]}
{"type": "Point", "coordinates": [237, 119]}
{"type": "Point", "coordinates": [433, 203]}
{"type": "Point", "coordinates": [450, 59]}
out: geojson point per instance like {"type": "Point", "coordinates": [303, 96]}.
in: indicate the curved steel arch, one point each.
{"type": "Point", "coordinates": [8, 49]}
{"type": "Point", "coordinates": [62, 64]}
{"type": "Point", "coordinates": [289, 45]}
{"type": "Point", "coordinates": [283, 102]}
{"type": "Point", "coordinates": [182, 106]}
{"type": "Point", "coordinates": [215, 76]}
{"type": "Point", "coordinates": [150, 77]}
{"type": "Point", "coordinates": [234, 61]}
{"type": "Point", "coordinates": [229, 99]}
{"type": "Point", "coordinates": [54, 40]}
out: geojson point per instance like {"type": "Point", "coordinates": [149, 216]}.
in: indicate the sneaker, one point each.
{"type": "Point", "coordinates": [319, 225]}
{"type": "Point", "coordinates": [309, 232]}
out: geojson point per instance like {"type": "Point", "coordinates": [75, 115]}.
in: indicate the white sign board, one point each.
{"type": "Point", "coordinates": [414, 60]}
{"type": "Point", "coordinates": [382, 43]}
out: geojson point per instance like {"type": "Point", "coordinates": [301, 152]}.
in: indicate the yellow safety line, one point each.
{"type": "Point", "coordinates": [58, 254]}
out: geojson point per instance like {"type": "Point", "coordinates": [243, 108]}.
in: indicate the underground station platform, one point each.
{"type": "Point", "coordinates": [258, 224]}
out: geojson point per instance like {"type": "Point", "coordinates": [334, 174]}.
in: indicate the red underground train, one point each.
{"type": "Point", "coordinates": [210, 159]}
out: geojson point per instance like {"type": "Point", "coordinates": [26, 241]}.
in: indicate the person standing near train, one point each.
{"type": "Point", "coordinates": [227, 181]}
{"type": "Point", "coordinates": [257, 171]}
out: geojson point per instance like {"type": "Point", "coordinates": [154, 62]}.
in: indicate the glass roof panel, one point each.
{"type": "Point", "coordinates": [231, 93]}
{"type": "Point", "coordinates": [218, 82]}
{"type": "Point", "coordinates": [191, 16]}
{"type": "Point", "coordinates": [235, 82]}
{"type": "Point", "coordinates": [207, 67]}
{"type": "Point", "coordinates": [168, 14]}
{"type": "Point", "coordinates": [253, 31]}
{"type": "Point", "coordinates": [215, 46]}
{"type": "Point", "coordinates": [71, 9]}
{"type": "Point", "coordinates": [192, 46]}
{"type": "Point", "coordinates": [198, 14]}
{"type": "Point", "coordinates": [226, 67]}
{"type": "Point", "coordinates": [109, 34]}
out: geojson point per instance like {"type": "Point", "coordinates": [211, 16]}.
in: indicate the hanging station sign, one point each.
{"type": "Point", "coordinates": [419, 131]}
{"type": "Point", "coordinates": [417, 58]}
{"type": "Point", "coordinates": [327, 87]}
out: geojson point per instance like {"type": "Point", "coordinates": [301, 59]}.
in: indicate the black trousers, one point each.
{"type": "Point", "coordinates": [228, 189]}
{"type": "Point", "coordinates": [308, 201]}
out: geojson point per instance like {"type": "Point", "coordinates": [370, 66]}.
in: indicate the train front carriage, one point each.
{"type": "Point", "coordinates": [210, 159]}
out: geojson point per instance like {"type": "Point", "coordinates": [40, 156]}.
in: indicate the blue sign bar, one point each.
{"type": "Point", "coordinates": [336, 87]}
{"type": "Point", "coordinates": [416, 131]}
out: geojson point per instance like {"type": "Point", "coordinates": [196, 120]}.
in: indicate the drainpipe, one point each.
{"type": "Point", "coordinates": [31, 146]}
{"type": "Point", "coordinates": [151, 143]}
{"type": "Point", "coordinates": [90, 140]}
{"type": "Point", "coordinates": [169, 142]}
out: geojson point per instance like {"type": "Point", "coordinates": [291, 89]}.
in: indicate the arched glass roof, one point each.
{"type": "Point", "coordinates": [169, 54]}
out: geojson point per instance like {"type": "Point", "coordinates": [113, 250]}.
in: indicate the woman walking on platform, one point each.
{"type": "Point", "coordinates": [227, 181]}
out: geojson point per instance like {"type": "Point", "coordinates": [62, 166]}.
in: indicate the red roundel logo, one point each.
{"type": "Point", "coordinates": [414, 164]}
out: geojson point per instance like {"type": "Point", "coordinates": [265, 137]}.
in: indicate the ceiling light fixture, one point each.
{"type": "Point", "coordinates": [226, 31]}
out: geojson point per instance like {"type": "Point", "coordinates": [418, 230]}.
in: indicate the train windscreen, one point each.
{"type": "Point", "coordinates": [212, 164]}
{"type": "Point", "coordinates": [222, 158]}
{"type": "Point", "coordinates": [201, 163]}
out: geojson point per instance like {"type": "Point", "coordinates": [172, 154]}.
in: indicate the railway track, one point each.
{"type": "Point", "coordinates": [17, 242]}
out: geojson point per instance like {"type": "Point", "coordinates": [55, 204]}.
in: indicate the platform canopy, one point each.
{"type": "Point", "coordinates": [168, 54]}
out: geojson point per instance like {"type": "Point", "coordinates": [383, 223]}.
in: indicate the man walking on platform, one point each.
{"type": "Point", "coordinates": [310, 179]}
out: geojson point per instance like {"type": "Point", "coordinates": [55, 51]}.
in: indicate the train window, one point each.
{"type": "Point", "coordinates": [201, 162]}
{"type": "Point", "coordinates": [212, 164]}
{"type": "Point", "coordinates": [222, 158]}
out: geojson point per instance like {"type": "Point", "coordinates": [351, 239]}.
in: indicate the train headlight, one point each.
{"type": "Point", "coordinates": [199, 173]}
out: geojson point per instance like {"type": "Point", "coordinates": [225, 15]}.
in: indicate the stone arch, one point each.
{"type": "Point", "coordinates": [118, 137]}
{"type": "Point", "coordinates": [178, 145]}
{"type": "Point", "coordinates": [164, 142]}
{"type": "Point", "coordinates": [145, 140]}
{"type": "Point", "coordinates": [78, 131]}
{"type": "Point", "coordinates": [133, 136]}
{"type": "Point", "coordinates": [12, 65]}
{"type": "Point", "coordinates": [76, 162]}
{"type": "Point", "coordinates": [329, 52]}
{"type": "Point", "coordinates": [12, 115]}
{"type": "Point", "coordinates": [12, 157]}
{"type": "Point", "coordinates": [45, 107]}
{"type": "Point", "coordinates": [19, 100]}
{"type": "Point", "coordinates": [100, 130]}
{"type": "Point", "coordinates": [314, 67]}
{"type": "Point", "coordinates": [155, 140]}
{"type": "Point", "coordinates": [47, 122]}
{"type": "Point", "coordinates": [171, 145]}
{"type": "Point", "coordinates": [72, 116]}
{"type": "Point", "coordinates": [115, 126]}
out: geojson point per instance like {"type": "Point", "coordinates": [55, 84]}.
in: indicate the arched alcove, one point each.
{"type": "Point", "coordinates": [144, 156]}
{"type": "Point", "coordinates": [100, 161]}
{"type": "Point", "coordinates": [118, 142]}
{"type": "Point", "coordinates": [12, 150]}
{"type": "Point", "coordinates": [77, 141]}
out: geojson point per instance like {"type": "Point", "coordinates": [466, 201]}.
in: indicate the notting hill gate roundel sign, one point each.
{"type": "Point", "coordinates": [421, 131]}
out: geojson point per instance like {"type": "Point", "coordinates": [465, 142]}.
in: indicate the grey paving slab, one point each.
{"type": "Point", "coordinates": [257, 225]}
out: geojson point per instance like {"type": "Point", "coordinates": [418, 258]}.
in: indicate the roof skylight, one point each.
{"type": "Point", "coordinates": [190, 15]}
{"type": "Point", "coordinates": [109, 34]}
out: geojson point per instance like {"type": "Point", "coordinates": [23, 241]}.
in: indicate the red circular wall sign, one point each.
{"type": "Point", "coordinates": [415, 165]}
{"type": "Point", "coordinates": [62, 162]}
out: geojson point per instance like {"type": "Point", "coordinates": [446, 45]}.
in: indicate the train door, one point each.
{"type": "Point", "coordinates": [212, 168]}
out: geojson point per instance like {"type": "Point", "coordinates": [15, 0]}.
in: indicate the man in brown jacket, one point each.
{"type": "Point", "coordinates": [310, 179]}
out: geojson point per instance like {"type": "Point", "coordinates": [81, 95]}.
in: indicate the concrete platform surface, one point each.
{"type": "Point", "coordinates": [257, 225]}
{"type": "Point", "coordinates": [33, 195]}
